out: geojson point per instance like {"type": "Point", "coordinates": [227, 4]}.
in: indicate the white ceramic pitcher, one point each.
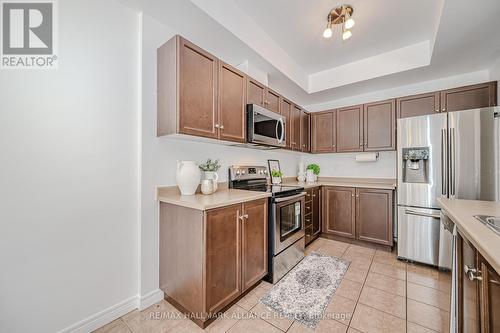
{"type": "Point", "coordinates": [188, 177]}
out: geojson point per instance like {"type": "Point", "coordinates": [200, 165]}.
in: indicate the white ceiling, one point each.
{"type": "Point", "coordinates": [381, 26]}
{"type": "Point", "coordinates": [412, 42]}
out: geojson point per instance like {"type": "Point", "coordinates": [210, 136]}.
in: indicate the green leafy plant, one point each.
{"type": "Point", "coordinates": [276, 173]}
{"type": "Point", "coordinates": [210, 165]}
{"type": "Point", "coordinates": [315, 168]}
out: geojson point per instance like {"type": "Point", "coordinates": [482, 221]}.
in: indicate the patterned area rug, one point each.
{"type": "Point", "coordinates": [305, 292]}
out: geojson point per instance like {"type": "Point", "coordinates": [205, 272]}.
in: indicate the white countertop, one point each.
{"type": "Point", "coordinates": [485, 240]}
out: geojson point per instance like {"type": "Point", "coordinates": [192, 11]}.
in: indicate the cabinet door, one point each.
{"type": "Point", "coordinates": [296, 120]}
{"type": "Point", "coordinates": [350, 129]}
{"type": "Point", "coordinates": [490, 313]}
{"type": "Point", "coordinates": [223, 267]}
{"type": "Point", "coordinates": [286, 111]}
{"type": "Point", "coordinates": [316, 212]}
{"type": "Point", "coordinates": [254, 242]}
{"type": "Point", "coordinates": [339, 211]}
{"type": "Point", "coordinates": [469, 97]}
{"type": "Point", "coordinates": [256, 92]}
{"type": "Point", "coordinates": [232, 104]}
{"type": "Point", "coordinates": [379, 122]}
{"type": "Point", "coordinates": [468, 291]}
{"type": "Point", "coordinates": [418, 105]}
{"type": "Point", "coordinates": [272, 101]}
{"type": "Point", "coordinates": [323, 132]}
{"type": "Point", "coordinates": [197, 91]}
{"type": "Point", "coordinates": [305, 131]}
{"type": "Point", "coordinates": [374, 210]}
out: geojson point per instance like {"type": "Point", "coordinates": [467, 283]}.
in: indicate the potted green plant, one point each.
{"type": "Point", "coordinates": [312, 172]}
{"type": "Point", "coordinates": [276, 176]}
{"type": "Point", "coordinates": [210, 176]}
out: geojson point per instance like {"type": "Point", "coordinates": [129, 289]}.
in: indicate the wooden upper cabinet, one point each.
{"type": "Point", "coordinates": [187, 89]}
{"type": "Point", "coordinates": [350, 129]}
{"type": "Point", "coordinates": [379, 122]}
{"type": "Point", "coordinates": [323, 130]}
{"type": "Point", "coordinates": [272, 101]}
{"type": "Point", "coordinates": [254, 242]}
{"type": "Point", "coordinates": [418, 105]}
{"type": "Point", "coordinates": [305, 131]}
{"type": "Point", "coordinates": [374, 215]}
{"type": "Point", "coordinates": [469, 97]}
{"type": "Point", "coordinates": [223, 267]}
{"type": "Point", "coordinates": [256, 92]}
{"type": "Point", "coordinates": [286, 111]}
{"type": "Point", "coordinates": [296, 125]}
{"type": "Point", "coordinates": [232, 104]}
{"type": "Point", "coordinates": [339, 214]}
{"type": "Point", "coordinates": [197, 91]}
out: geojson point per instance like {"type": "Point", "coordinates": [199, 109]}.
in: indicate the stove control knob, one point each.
{"type": "Point", "coordinates": [238, 172]}
{"type": "Point", "coordinates": [242, 172]}
{"type": "Point", "coordinates": [265, 171]}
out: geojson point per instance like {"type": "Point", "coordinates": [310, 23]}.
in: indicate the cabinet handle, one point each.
{"type": "Point", "coordinates": [308, 220]}
{"type": "Point", "coordinates": [361, 144]}
{"type": "Point", "coordinates": [314, 195]}
{"type": "Point", "coordinates": [217, 126]}
{"type": "Point", "coordinates": [437, 110]}
{"type": "Point", "coordinates": [443, 109]}
{"type": "Point", "coordinates": [366, 144]}
{"type": "Point", "coordinates": [221, 126]}
{"type": "Point", "coordinates": [473, 273]}
{"type": "Point", "coordinates": [352, 195]}
{"type": "Point", "coordinates": [333, 146]}
{"type": "Point", "coordinates": [242, 217]}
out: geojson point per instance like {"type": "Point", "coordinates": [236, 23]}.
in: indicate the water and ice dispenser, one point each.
{"type": "Point", "coordinates": [416, 165]}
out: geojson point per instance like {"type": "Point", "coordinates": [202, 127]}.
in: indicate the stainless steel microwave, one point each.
{"type": "Point", "coordinates": [265, 127]}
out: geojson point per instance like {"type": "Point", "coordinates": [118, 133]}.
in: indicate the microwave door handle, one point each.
{"type": "Point", "coordinates": [282, 124]}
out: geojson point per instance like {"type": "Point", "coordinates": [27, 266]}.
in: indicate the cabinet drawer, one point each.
{"type": "Point", "coordinates": [308, 221]}
{"type": "Point", "coordinates": [308, 207]}
{"type": "Point", "coordinates": [309, 232]}
{"type": "Point", "coordinates": [309, 194]}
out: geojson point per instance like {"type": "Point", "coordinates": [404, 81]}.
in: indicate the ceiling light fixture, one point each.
{"type": "Point", "coordinates": [340, 15]}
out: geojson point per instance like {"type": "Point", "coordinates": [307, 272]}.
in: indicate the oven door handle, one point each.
{"type": "Point", "coordinates": [302, 194]}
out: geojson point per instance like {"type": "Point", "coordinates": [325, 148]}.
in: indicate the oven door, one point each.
{"type": "Point", "coordinates": [289, 221]}
{"type": "Point", "coordinates": [265, 127]}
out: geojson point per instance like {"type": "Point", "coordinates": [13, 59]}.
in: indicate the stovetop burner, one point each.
{"type": "Point", "coordinates": [255, 179]}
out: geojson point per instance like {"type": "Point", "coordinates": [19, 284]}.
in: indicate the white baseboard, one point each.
{"type": "Point", "coordinates": [151, 298]}
{"type": "Point", "coordinates": [104, 317]}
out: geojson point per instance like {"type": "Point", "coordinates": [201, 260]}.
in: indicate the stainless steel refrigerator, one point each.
{"type": "Point", "coordinates": [448, 155]}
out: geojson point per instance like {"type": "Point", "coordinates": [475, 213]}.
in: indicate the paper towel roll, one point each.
{"type": "Point", "coordinates": [368, 157]}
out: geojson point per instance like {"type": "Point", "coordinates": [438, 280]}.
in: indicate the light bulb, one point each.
{"type": "Point", "coordinates": [328, 33]}
{"type": "Point", "coordinates": [349, 23]}
{"type": "Point", "coordinates": [347, 34]}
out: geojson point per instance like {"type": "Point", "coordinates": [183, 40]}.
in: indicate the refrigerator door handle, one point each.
{"type": "Point", "coordinates": [412, 212]}
{"type": "Point", "coordinates": [444, 164]}
{"type": "Point", "coordinates": [452, 162]}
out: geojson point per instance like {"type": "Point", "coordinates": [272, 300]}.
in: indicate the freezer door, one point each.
{"type": "Point", "coordinates": [418, 234]}
{"type": "Point", "coordinates": [425, 132]}
{"type": "Point", "coordinates": [474, 154]}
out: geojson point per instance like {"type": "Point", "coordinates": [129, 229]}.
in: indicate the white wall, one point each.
{"type": "Point", "coordinates": [405, 90]}
{"type": "Point", "coordinates": [69, 175]}
{"type": "Point", "coordinates": [160, 155]}
{"type": "Point", "coordinates": [495, 74]}
{"type": "Point", "coordinates": [345, 165]}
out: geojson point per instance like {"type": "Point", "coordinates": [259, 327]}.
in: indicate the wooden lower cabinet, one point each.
{"type": "Point", "coordinates": [312, 218]}
{"type": "Point", "coordinates": [359, 213]}
{"type": "Point", "coordinates": [209, 258]}
{"type": "Point", "coordinates": [339, 214]}
{"type": "Point", "coordinates": [223, 258]}
{"type": "Point", "coordinates": [254, 243]}
{"type": "Point", "coordinates": [478, 291]}
{"type": "Point", "coordinates": [374, 209]}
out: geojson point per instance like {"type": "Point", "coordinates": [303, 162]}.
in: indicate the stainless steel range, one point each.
{"type": "Point", "coordinates": [285, 218]}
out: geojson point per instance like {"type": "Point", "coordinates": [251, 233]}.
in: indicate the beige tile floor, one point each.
{"type": "Point", "coordinates": [378, 294]}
